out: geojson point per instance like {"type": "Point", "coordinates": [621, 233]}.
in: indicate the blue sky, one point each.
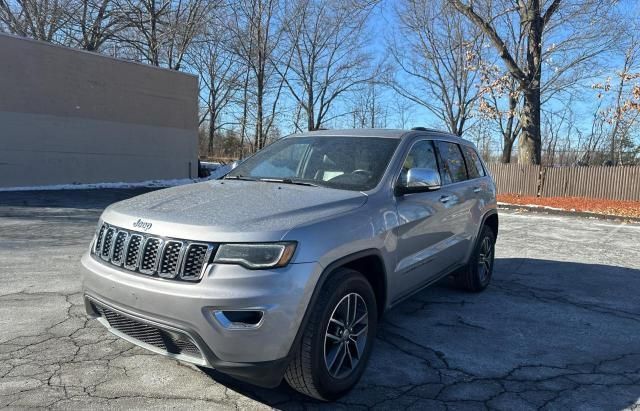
{"type": "Point", "coordinates": [383, 22]}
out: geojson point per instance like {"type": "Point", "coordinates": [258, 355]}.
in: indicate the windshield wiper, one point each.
{"type": "Point", "coordinates": [288, 181]}
{"type": "Point", "coordinates": [244, 178]}
{"type": "Point", "coordinates": [272, 180]}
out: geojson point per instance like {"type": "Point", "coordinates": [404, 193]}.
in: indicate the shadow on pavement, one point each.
{"type": "Point", "coordinates": [545, 334]}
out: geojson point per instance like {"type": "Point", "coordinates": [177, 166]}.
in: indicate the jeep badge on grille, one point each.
{"type": "Point", "coordinates": [142, 224]}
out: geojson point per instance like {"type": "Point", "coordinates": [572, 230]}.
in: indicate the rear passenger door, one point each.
{"type": "Point", "coordinates": [482, 193]}
{"type": "Point", "coordinates": [458, 199]}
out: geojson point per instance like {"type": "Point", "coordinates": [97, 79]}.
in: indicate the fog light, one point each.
{"type": "Point", "coordinates": [239, 319]}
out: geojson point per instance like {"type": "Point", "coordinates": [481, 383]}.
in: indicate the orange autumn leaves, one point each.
{"type": "Point", "coordinates": [591, 205]}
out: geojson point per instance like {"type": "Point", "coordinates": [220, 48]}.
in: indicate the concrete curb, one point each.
{"type": "Point", "coordinates": [584, 214]}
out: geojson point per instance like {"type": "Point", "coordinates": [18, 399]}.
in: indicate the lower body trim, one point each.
{"type": "Point", "coordinates": [152, 336]}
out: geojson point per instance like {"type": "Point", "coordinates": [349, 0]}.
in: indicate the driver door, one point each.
{"type": "Point", "coordinates": [425, 228]}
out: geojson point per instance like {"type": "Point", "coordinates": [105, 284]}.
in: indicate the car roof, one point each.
{"type": "Point", "coordinates": [384, 133]}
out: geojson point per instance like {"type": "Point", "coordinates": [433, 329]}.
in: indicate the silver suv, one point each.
{"type": "Point", "coordinates": [285, 267]}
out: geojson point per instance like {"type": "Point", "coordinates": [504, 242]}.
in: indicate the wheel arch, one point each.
{"type": "Point", "coordinates": [371, 265]}
{"type": "Point", "coordinates": [357, 261]}
{"type": "Point", "coordinates": [491, 219]}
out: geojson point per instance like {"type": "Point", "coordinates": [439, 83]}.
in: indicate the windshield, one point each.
{"type": "Point", "coordinates": [350, 163]}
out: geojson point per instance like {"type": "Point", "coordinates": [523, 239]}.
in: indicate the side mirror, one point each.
{"type": "Point", "coordinates": [419, 180]}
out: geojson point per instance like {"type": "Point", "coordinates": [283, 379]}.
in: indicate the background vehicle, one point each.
{"type": "Point", "coordinates": [215, 170]}
{"type": "Point", "coordinates": [285, 266]}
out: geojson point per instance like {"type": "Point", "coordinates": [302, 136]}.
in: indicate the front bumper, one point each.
{"type": "Point", "coordinates": [257, 354]}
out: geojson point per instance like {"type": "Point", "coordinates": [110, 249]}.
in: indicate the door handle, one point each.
{"type": "Point", "coordinates": [477, 189]}
{"type": "Point", "coordinates": [444, 199]}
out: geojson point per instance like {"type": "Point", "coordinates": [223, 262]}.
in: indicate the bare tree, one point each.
{"type": "Point", "coordinates": [369, 110]}
{"type": "Point", "coordinates": [558, 126]}
{"type": "Point", "coordinates": [623, 100]}
{"type": "Point", "coordinates": [220, 77]}
{"type": "Point", "coordinates": [482, 135]}
{"type": "Point", "coordinates": [162, 31]}
{"type": "Point", "coordinates": [569, 22]}
{"type": "Point", "coordinates": [146, 26]}
{"type": "Point", "coordinates": [257, 27]}
{"type": "Point", "coordinates": [497, 90]}
{"type": "Point", "coordinates": [439, 52]}
{"type": "Point", "coordinates": [93, 23]}
{"type": "Point", "coordinates": [37, 19]}
{"type": "Point", "coordinates": [329, 57]}
{"type": "Point", "coordinates": [404, 111]}
{"type": "Point", "coordinates": [186, 20]}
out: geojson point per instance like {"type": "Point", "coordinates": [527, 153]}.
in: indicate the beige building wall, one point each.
{"type": "Point", "coordinates": [68, 116]}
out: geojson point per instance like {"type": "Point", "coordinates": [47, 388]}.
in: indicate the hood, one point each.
{"type": "Point", "coordinates": [230, 210]}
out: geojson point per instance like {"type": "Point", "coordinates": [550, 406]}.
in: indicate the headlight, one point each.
{"type": "Point", "coordinates": [256, 255]}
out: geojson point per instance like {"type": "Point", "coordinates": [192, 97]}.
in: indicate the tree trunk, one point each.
{"type": "Point", "coordinates": [529, 145]}
{"type": "Point", "coordinates": [259, 140]}
{"type": "Point", "coordinates": [616, 120]}
{"type": "Point", "coordinates": [210, 137]}
{"type": "Point", "coordinates": [245, 112]}
{"type": "Point", "coordinates": [212, 116]}
{"type": "Point", "coordinates": [506, 151]}
{"type": "Point", "coordinates": [155, 59]}
{"type": "Point", "coordinates": [311, 123]}
{"type": "Point", "coordinates": [509, 134]}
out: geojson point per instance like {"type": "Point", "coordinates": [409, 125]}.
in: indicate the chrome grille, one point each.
{"type": "Point", "coordinates": [194, 260]}
{"type": "Point", "coordinates": [118, 247]}
{"type": "Point", "coordinates": [98, 243]}
{"type": "Point", "coordinates": [133, 252]}
{"type": "Point", "coordinates": [152, 255]}
{"type": "Point", "coordinates": [106, 246]}
{"type": "Point", "coordinates": [170, 259]}
{"type": "Point", "coordinates": [171, 341]}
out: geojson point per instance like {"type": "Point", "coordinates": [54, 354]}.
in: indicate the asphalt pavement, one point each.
{"type": "Point", "coordinates": [558, 328]}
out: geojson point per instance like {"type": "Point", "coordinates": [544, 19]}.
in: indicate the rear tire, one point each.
{"type": "Point", "coordinates": [337, 340]}
{"type": "Point", "coordinates": [476, 276]}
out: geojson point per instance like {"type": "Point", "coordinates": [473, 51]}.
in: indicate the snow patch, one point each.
{"type": "Point", "coordinates": [215, 174]}
{"type": "Point", "coordinates": [532, 206]}
{"type": "Point", "coordinates": [95, 186]}
{"type": "Point", "coordinates": [545, 207]}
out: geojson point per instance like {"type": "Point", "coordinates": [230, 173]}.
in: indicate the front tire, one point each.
{"type": "Point", "coordinates": [337, 341]}
{"type": "Point", "coordinates": [476, 276]}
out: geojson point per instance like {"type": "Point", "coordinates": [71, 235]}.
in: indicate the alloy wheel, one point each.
{"type": "Point", "coordinates": [346, 336]}
{"type": "Point", "coordinates": [485, 259]}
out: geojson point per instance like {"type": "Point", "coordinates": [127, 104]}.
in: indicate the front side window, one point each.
{"type": "Point", "coordinates": [421, 155]}
{"type": "Point", "coordinates": [452, 168]}
{"type": "Point", "coordinates": [474, 165]}
{"type": "Point", "coordinates": [349, 163]}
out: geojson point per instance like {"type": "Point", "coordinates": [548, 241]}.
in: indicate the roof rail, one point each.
{"type": "Point", "coordinates": [434, 130]}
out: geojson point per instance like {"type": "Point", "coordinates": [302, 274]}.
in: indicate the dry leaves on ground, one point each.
{"type": "Point", "coordinates": [591, 205]}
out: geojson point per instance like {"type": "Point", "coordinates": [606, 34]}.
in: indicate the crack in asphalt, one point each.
{"type": "Point", "coordinates": [522, 290]}
{"type": "Point", "coordinates": [432, 352]}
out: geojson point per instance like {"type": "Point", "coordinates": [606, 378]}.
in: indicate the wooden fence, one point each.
{"type": "Point", "coordinates": [615, 183]}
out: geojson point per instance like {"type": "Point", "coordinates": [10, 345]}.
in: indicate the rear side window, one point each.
{"type": "Point", "coordinates": [474, 165]}
{"type": "Point", "coordinates": [452, 167]}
